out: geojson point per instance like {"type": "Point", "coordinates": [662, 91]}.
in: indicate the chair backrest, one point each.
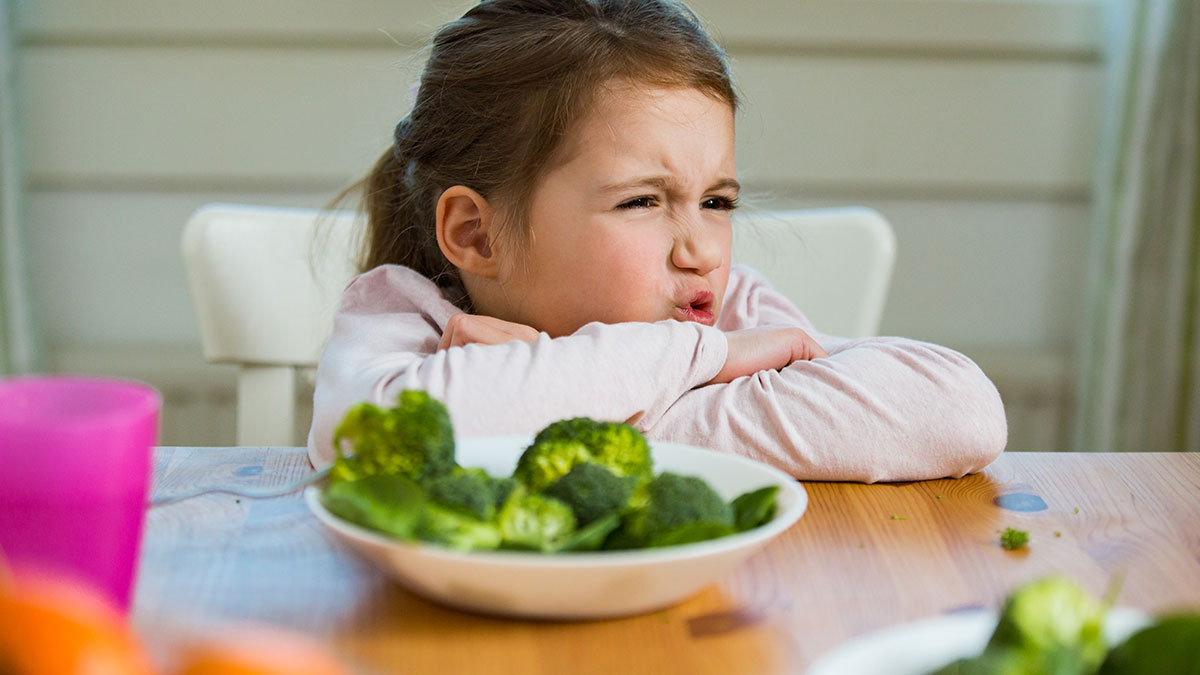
{"type": "Point", "coordinates": [265, 282]}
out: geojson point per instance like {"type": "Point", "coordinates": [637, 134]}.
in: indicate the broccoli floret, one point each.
{"type": "Point", "coordinates": [390, 504]}
{"type": "Point", "coordinates": [1052, 617]}
{"type": "Point", "coordinates": [1051, 625]}
{"type": "Point", "coordinates": [468, 490]}
{"type": "Point", "coordinates": [621, 448]}
{"type": "Point", "coordinates": [1012, 539]}
{"type": "Point", "coordinates": [533, 521]}
{"type": "Point", "coordinates": [414, 439]}
{"type": "Point", "coordinates": [543, 463]}
{"type": "Point", "coordinates": [561, 445]}
{"type": "Point", "coordinates": [679, 510]}
{"type": "Point", "coordinates": [454, 529]}
{"type": "Point", "coordinates": [592, 491]}
{"type": "Point", "coordinates": [502, 489]}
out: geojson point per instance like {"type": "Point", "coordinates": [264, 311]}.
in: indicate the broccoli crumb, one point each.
{"type": "Point", "coordinates": [939, 496]}
{"type": "Point", "coordinates": [1076, 509]}
{"type": "Point", "coordinates": [1012, 539]}
{"type": "Point", "coordinates": [896, 517]}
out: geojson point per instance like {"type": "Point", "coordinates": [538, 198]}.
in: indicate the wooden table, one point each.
{"type": "Point", "coordinates": [863, 557]}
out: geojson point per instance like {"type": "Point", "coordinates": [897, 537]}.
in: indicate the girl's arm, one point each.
{"type": "Point", "coordinates": [385, 339]}
{"type": "Point", "coordinates": [875, 409]}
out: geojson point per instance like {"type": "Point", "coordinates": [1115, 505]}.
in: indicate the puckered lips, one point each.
{"type": "Point", "coordinates": [697, 307]}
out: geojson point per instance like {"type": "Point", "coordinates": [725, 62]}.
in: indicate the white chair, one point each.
{"type": "Point", "coordinates": [265, 282]}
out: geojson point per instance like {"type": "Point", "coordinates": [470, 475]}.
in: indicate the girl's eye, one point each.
{"type": "Point", "coordinates": [638, 203]}
{"type": "Point", "coordinates": [720, 203]}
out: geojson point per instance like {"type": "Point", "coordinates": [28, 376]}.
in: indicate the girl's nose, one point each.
{"type": "Point", "coordinates": [698, 248]}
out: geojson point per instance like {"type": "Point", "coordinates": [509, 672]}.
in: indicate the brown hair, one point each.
{"type": "Point", "coordinates": [501, 89]}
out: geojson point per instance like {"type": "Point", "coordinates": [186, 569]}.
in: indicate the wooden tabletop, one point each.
{"type": "Point", "coordinates": [863, 557]}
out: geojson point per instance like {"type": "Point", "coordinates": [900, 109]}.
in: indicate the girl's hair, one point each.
{"type": "Point", "coordinates": [502, 88]}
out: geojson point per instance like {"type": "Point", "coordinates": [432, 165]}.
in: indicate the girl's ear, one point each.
{"type": "Point", "coordinates": [464, 231]}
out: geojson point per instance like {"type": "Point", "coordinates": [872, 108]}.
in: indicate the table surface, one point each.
{"type": "Point", "coordinates": [863, 557]}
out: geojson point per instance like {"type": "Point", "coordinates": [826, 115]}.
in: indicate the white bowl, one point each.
{"type": "Point", "coordinates": [590, 585]}
{"type": "Point", "coordinates": [924, 646]}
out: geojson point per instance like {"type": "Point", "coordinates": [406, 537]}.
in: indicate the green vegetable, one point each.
{"type": "Point", "coordinates": [415, 439]}
{"type": "Point", "coordinates": [592, 491]}
{"type": "Point", "coordinates": [1012, 539]}
{"type": "Point", "coordinates": [561, 445]}
{"type": "Point", "coordinates": [536, 522]}
{"type": "Point", "coordinates": [754, 508]}
{"type": "Point", "coordinates": [582, 485]}
{"type": "Point", "coordinates": [543, 463]}
{"type": "Point", "coordinates": [454, 529]}
{"type": "Point", "coordinates": [471, 491]}
{"type": "Point", "coordinates": [1051, 626]}
{"type": "Point", "coordinates": [679, 509]}
{"type": "Point", "coordinates": [1171, 645]}
{"type": "Point", "coordinates": [390, 504]}
{"type": "Point", "coordinates": [592, 537]}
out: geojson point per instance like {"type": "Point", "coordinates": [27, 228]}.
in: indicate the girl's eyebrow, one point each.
{"type": "Point", "coordinates": [666, 183]}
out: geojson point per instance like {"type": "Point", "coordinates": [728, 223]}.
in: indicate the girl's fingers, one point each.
{"type": "Point", "coordinates": [467, 329]}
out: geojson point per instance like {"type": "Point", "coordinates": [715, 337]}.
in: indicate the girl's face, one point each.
{"type": "Point", "coordinates": [632, 222]}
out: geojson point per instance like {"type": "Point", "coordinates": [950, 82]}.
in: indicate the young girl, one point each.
{"type": "Point", "coordinates": [549, 237]}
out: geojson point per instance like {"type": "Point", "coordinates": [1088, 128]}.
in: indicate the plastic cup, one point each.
{"type": "Point", "coordinates": [75, 463]}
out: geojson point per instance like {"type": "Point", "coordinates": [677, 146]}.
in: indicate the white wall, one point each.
{"type": "Point", "coordinates": [970, 124]}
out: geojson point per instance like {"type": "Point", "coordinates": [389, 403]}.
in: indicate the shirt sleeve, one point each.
{"type": "Point", "coordinates": [632, 372]}
{"type": "Point", "coordinates": [877, 409]}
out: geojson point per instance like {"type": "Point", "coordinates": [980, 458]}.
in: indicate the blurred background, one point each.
{"type": "Point", "coordinates": [994, 135]}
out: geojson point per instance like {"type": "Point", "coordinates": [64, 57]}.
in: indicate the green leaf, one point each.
{"type": "Point", "coordinates": [691, 533]}
{"type": "Point", "coordinates": [591, 537]}
{"type": "Point", "coordinates": [1170, 645]}
{"type": "Point", "coordinates": [754, 508]}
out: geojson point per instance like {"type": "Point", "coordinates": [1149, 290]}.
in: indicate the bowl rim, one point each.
{"type": "Point", "coordinates": [782, 520]}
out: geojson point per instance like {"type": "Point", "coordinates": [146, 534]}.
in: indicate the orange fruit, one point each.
{"type": "Point", "coordinates": [52, 626]}
{"type": "Point", "coordinates": [255, 649]}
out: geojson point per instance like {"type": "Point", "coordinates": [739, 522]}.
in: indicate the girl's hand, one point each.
{"type": "Point", "coordinates": [756, 349]}
{"type": "Point", "coordinates": [473, 329]}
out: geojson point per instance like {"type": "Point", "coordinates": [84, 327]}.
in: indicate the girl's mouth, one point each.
{"type": "Point", "coordinates": [699, 309]}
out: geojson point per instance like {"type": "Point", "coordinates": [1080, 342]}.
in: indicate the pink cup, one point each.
{"type": "Point", "coordinates": [75, 463]}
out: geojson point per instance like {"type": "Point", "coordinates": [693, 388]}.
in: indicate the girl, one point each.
{"type": "Point", "coordinates": [549, 237]}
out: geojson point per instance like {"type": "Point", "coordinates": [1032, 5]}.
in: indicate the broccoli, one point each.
{"type": "Point", "coordinates": [1012, 539]}
{"type": "Point", "coordinates": [592, 536]}
{"type": "Point", "coordinates": [454, 529]}
{"type": "Point", "coordinates": [1051, 625]}
{"type": "Point", "coordinates": [561, 445]}
{"type": "Point", "coordinates": [592, 491]}
{"type": "Point", "coordinates": [679, 510]}
{"type": "Point", "coordinates": [414, 439]}
{"type": "Point", "coordinates": [533, 521]}
{"type": "Point", "coordinates": [390, 504]}
{"type": "Point", "coordinates": [471, 491]}
{"type": "Point", "coordinates": [502, 488]}
{"type": "Point", "coordinates": [543, 463]}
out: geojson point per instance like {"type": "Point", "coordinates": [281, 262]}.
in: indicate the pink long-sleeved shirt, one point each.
{"type": "Point", "coordinates": [877, 409]}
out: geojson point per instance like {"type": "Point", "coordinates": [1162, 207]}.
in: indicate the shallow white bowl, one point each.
{"type": "Point", "coordinates": [591, 585]}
